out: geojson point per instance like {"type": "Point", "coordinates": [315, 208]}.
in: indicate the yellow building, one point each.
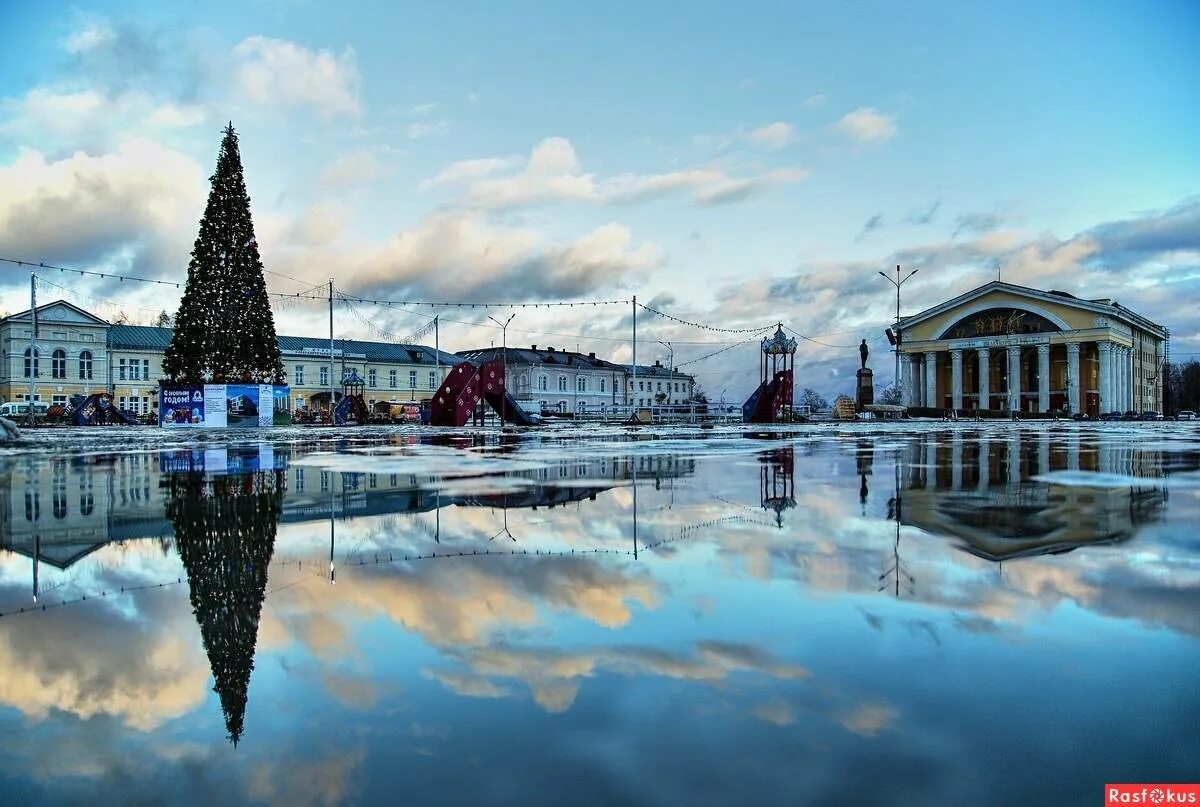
{"type": "Point", "coordinates": [1012, 348]}
{"type": "Point", "coordinates": [67, 358]}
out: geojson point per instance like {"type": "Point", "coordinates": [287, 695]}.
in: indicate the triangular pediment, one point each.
{"type": "Point", "coordinates": [59, 312]}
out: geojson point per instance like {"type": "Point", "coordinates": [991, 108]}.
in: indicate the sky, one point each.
{"type": "Point", "coordinates": [734, 167]}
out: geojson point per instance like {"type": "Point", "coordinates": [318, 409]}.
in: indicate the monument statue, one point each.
{"type": "Point", "coordinates": [865, 391]}
{"type": "Point", "coordinates": [862, 352]}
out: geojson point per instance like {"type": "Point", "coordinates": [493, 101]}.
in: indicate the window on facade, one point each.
{"type": "Point", "coordinates": [542, 383]}
{"type": "Point", "coordinates": [370, 378]}
{"type": "Point", "coordinates": [58, 364]}
{"type": "Point", "coordinates": [324, 376]}
{"type": "Point", "coordinates": [58, 400]}
{"type": "Point", "coordinates": [392, 379]}
{"type": "Point", "coordinates": [641, 386]}
{"type": "Point", "coordinates": [28, 369]}
{"type": "Point", "coordinates": [124, 403]}
{"type": "Point", "coordinates": [581, 384]}
{"type": "Point", "coordinates": [121, 371]}
{"type": "Point", "coordinates": [85, 365]}
{"type": "Point", "coordinates": [298, 378]}
{"type": "Point", "coordinates": [602, 385]}
{"type": "Point", "coordinates": [433, 379]}
{"type": "Point", "coordinates": [660, 386]}
{"type": "Point", "coordinates": [562, 383]}
{"type": "Point", "coordinates": [412, 379]}
{"type": "Point", "coordinates": [145, 369]}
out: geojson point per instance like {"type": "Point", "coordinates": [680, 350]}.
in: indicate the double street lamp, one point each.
{"type": "Point", "coordinates": [504, 353]}
{"type": "Point", "coordinates": [898, 282]}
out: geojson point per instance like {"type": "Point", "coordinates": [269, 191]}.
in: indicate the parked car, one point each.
{"type": "Point", "coordinates": [1130, 415]}
{"type": "Point", "coordinates": [1081, 416]}
{"type": "Point", "coordinates": [1110, 416]}
{"type": "Point", "coordinates": [1150, 414]}
{"type": "Point", "coordinates": [1186, 414]}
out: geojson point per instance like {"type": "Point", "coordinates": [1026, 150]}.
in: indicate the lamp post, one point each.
{"type": "Point", "coordinates": [670, 366]}
{"type": "Point", "coordinates": [504, 354]}
{"type": "Point", "coordinates": [898, 282]}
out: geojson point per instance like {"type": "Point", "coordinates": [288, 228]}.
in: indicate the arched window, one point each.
{"type": "Point", "coordinates": [562, 383]}
{"type": "Point", "coordinates": [602, 384]}
{"type": "Point", "coordinates": [35, 363]}
{"type": "Point", "coordinates": [58, 363]}
{"type": "Point", "coordinates": [581, 384]}
{"type": "Point", "coordinates": [543, 383]}
{"type": "Point", "coordinates": [85, 365]}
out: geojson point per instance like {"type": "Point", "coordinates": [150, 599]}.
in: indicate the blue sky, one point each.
{"type": "Point", "coordinates": [736, 166]}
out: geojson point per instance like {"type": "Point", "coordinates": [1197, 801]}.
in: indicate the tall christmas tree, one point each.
{"type": "Point", "coordinates": [225, 534]}
{"type": "Point", "coordinates": [224, 330]}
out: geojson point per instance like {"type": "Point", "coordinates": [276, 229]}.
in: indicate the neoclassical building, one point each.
{"type": "Point", "coordinates": [1008, 347]}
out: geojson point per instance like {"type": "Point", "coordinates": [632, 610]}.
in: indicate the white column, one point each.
{"type": "Point", "coordinates": [985, 380]}
{"type": "Point", "coordinates": [956, 379]}
{"type": "Point", "coordinates": [1073, 403]}
{"type": "Point", "coordinates": [1127, 373]}
{"type": "Point", "coordinates": [1043, 353]}
{"type": "Point", "coordinates": [909, 368]}
{"type": "Point", "coordinates": [931, 379]}
{"type": "Point", "coordinates": [1105, 383]}
{"type": "Point", "coordinates": [1014, 378]}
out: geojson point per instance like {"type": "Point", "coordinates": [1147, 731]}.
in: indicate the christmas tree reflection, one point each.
{"type": "Point", "coordinates": [225, 533]}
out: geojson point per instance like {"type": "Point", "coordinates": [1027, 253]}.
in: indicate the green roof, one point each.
{"type": "Point", "coordinates": [145, 337]}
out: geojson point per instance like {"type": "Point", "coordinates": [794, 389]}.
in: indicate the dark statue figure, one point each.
{"type": "Point", "coordinates": [862, 352]}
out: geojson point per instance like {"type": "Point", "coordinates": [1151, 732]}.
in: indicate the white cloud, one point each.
{"type": "Point", "coordinates": [467, 170]}
{"type": "Point", "coordinates": [553, 173]}
{"type": "Point", "coordinates": [352, 168]}
{"type": "Point", "coordinates": [421, 110]}
{"type": "Point", "coordinates": [865, 125]}
{"type": "Point", "coordinates": [279, 72]}
{"type": "Point", "coordinates": [89, 37]}
{"type": "Point", "coordinates": [418, 130]}
{"type": "Point", "coordinates": [82, 206]}
{"type": "Point", "coordinates": [815, 100]}
{"type": "Point", "coordinates": [773, 135]}
{"type": "Point", "coordinates": [175, 116]}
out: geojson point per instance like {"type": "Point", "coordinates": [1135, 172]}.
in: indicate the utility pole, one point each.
{"type": "Point", "coordinates": [633, 382]}
{"type": "Point", "coordinates": [504, 354]}
{"type": "Point", "coordinates": [898, 282]}
{"type": "Point", "coordinates": [33, 356]}
{"type": "Point", "coordinates": [331, 351]}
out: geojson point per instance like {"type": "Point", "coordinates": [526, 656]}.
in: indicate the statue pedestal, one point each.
{"type": "Point", "coordinates": [864, 394]}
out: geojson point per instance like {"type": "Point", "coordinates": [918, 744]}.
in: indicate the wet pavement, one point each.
{"type": "Point", "coordinates": [933, 613]}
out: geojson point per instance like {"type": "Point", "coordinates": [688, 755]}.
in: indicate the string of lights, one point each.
{"type": "Point", "coordinates": [749, 339]}
{"type": "Point", "coordinates": [689, 323]}
{"type": "Point", "coordinates": [450, 304]}
{"type": "Point", "coordinates": [819, 342]}
{"type": "Point", "coordinates": [90, 300]}
{"type": "Point", "coordinates": [412, 339]}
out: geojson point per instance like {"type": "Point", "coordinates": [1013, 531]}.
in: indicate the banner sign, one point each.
{"type": "Point", "coordinates": [181, 406]}
{"type": "Point", "coordinates": [221, 405]}
{"type": "Point", "coordinates": [214, 405]}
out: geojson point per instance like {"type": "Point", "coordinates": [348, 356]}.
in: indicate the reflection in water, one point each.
{"type": "Point", "coordinates": [629, 600]}
{"type": "Point", "coordinates": [225, 532]}
{"type": "Point", "coordinates": [1024, 495]}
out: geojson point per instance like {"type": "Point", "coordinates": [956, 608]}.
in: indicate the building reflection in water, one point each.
{"type": "Point", "coordinates": [988, 492]}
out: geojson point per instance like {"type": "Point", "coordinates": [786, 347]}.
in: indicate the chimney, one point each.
{"type": "Point", "coordinates": [534, 347]}
{"type": "Point", "coordinates": [657, 363]}
{"type": "Point", "coordinates": [592, 355]}
{"type": "Point", "coordinates": [551, 349]}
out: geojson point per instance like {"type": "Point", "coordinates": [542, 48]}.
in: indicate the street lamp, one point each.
{"type": "Point", "coordinates": [898, 282]}
{"type": "Point", "coordinates": [504, 353]}
{"type": "Point", "coordinates": [670, 366]}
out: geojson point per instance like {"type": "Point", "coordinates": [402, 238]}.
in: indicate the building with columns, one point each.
{"type": "Point", "coordinates": [1017, 349]}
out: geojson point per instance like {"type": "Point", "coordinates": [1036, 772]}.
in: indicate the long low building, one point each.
{"type": "Point", "coordinates": [78, 353]}
{"type": "Point", "coordinates": [549, 379]}
{"type": "Point", "coordinates": [1008, 347]}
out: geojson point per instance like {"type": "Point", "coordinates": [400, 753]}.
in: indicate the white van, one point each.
{"type": "Point", "coordinates": [14, 410]}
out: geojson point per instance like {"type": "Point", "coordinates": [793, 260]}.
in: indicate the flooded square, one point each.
{"type": "Point", "coordinates": [933, 613]}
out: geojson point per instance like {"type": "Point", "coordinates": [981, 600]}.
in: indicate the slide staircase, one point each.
{"type": "Point", "coordinates": [767, 403]}
{"type": "Point", "coordinates": [465, 386]}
